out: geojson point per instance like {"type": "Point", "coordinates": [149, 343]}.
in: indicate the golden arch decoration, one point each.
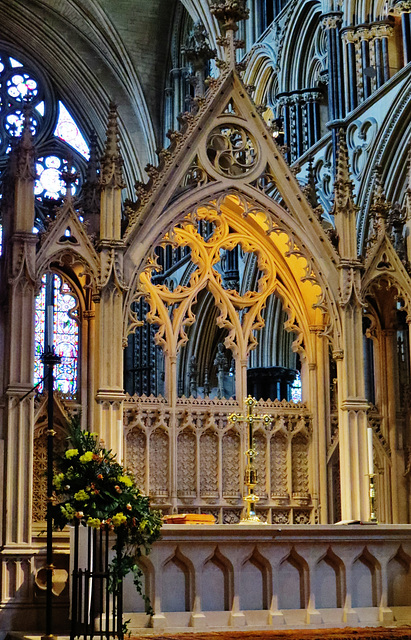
{"type": "Point", "coordinates": [282, 269]}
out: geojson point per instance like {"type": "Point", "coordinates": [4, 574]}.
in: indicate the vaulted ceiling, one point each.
{"type": "Point", "coordinates": [94, 51]}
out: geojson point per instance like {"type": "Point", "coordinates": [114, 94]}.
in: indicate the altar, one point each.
{"type": "Point", "coordinates": [263, 577]}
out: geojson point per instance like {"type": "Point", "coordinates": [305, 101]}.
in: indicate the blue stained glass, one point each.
{"type": "Point", "coordinates": [39, 321]}
{"type": "Point", "coordinates": [296, 390]}
{"type": "Point", "coordinates": [65, 338]}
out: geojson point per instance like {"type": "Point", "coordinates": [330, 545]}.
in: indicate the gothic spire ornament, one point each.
{"type": "Point", "coordinates": [24, 150]}
{"type": "Point", "coordinates": [112, 162]}
{"type": "Point", "coordinates": [343, 186]}
{"type": "Point", "coordinates": [198, 52]}
{"type": "Point", "coordinates": [380, 207]}
{"type": "Point", "coordinates": [69, 176]}
{"type": "Point", "coordinates": [228, 14]}
{"type": "Point", "coordinates": [91, 190]}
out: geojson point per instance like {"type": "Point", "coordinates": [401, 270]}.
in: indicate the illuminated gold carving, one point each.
{"type": "Point", "coordinates": [240, 314]}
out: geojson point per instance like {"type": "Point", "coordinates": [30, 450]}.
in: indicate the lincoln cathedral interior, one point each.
{"type": "Point", "coordinates": [202, 201]}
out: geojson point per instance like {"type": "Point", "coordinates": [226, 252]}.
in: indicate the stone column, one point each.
{"type": "Point", "coordinates": [109, 310]}
{"type": "Point", "coordinates": [331, 23]}
{"type": "Point", "coordinates": [352, 405]}
{"type": "Point", "coordinates": [311, 99]}
{"type": "Point", "coordinates": [402, 8]}
{"type": "Point", "coordinates": [351, 91]}
{"type": "Point", "coordinates": [364, 37]}
{"type": "Point", "coordinates": [319, 384]}
{"type": "Point", "coordinates": [389, 355]}
{"type": "Point", "coordinates": [19, 294]}
{"type": "Point", "coordinates": [284, 103]}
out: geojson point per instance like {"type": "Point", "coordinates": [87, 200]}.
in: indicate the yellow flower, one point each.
{"type": "Point", "coordinates": [58, 480]}
{"type": "Point", "coordinates": [71, 453]}
{"type": "Point", "coordinates": [125, 480]}
{"type": "Point", "coordinates": [68, 511]}
{"type": "Point", "coordinates": [119, 519]}
{"type": "Point", "coordinates": [81, 496]}
{"type": "Point", "coordinates": [94, 523]}
{"type": "Point", "coordinates": [86, 457]}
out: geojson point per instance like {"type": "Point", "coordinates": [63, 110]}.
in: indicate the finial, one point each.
{"type": "Point", "coordinates": [380, 207]}
{"type": "Point", "coordinates": [69, 176]}
{"type": "Point", "coordinates": [408, 187]}
{"type": "Point", "coordinates": [228, 14]}
{"type": "Point", "coordinates": [310, 191]}
{"type": "Point", "coordinates": [112, 162]}
{"type": "Point", "coordinates": [343, 186]}
{"type": "Point", "coordinates": [198, 52]}
{"type": "Point", "coordinates": [24, 149]}
{"type": "Point", "coordinates": [90, 192]}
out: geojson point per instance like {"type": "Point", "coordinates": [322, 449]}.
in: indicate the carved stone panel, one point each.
{"type": "Point", "coordinates": [231, 466]}
{"type": "Point", "coordinates": [186, 463]}
{"type": "Point", "coordinates": [159, 460]}
{"type": "Point", "coordinates": [209, 465]}
{"type": "Point", "coordinates": [278, 460]}
{"type": "Point", "coordinates": [136, 446]}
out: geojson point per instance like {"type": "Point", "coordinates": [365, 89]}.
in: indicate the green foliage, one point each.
{"type": "Point", "coordinates": [95, 490]}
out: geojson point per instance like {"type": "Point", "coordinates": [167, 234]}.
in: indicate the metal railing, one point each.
{"type": "Point", "coordinates": [96, 589]}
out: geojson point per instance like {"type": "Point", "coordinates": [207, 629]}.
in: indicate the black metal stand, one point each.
{"type": "Point", "coordinates": [50, 359]}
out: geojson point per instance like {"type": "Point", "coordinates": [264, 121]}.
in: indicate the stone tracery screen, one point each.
{"type": "Point", "coordinates": [204, 471]}
{"type": "Point", "coordinates": [209, 286]}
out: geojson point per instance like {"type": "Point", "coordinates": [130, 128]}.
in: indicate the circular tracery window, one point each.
{"type": "Point", "coordinates": [231, 150]}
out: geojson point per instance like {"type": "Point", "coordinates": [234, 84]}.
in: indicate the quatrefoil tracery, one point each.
{"type": "Point", "coordinates": [240, 314]}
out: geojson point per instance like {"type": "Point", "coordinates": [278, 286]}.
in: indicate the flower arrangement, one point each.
{"type": "Point", "coordinates": [93, 489]}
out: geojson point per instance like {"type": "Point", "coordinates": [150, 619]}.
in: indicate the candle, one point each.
{"type": "Point", "coordinates": [370, 452]}
{"type": "Point", "coordinates": [50, 325]}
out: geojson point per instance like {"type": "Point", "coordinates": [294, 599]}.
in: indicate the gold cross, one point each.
{"type": "Point", "coordinates": [251, 472]}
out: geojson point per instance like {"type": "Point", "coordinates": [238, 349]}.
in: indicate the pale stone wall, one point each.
{"type": "Point", "coordinates": [265, 576]}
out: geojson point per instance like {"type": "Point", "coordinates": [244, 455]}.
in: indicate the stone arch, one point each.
{"type": "Point", "coordinates": [255, 570]}
{"type": "Point", "coordinates": [133, 601]}
{"type": "Point", "coordinates": [217, 583]}
{"type": "Point", "coordinates": [177, 583]}
{"type": "Point", "coordinates": [365, 573]}
{"type": "Point", "coordinates": [399, 579]}
{"type": "Point", "coordinates": [389, 150]}
{"type": "Point", "coordinates": [298, 275]}
{"type": "Point", "coordinates": [305, 21]}
{"type": "Point", "coordinates": [293, 582]}
{"type": "Point", "coordinates": [329, 581]}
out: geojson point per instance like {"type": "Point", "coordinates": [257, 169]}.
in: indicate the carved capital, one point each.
{"type": "Point", "coordinates": [229, 13]}
{"type": "Point", "coordinates": [331, 20]}
{"type": "Point", "coordinates": [397, 8]}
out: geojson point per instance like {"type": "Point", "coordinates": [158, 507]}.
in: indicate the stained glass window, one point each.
{"type": "Point", "coordinates": [68, 131]}
{"type": "Point", "coordinates": [53, 125]}
{"type": "Point", "coordinates": [296, 390]}
{"type": "Point", "coordinates": [65, 336]}
{"type": "Point", "coordinates": [49, 183]}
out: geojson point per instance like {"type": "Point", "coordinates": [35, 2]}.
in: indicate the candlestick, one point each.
{"type": "Point", "coordinates": [370, 452]}
{"type": "Point", "coordinates": [50, 325]}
